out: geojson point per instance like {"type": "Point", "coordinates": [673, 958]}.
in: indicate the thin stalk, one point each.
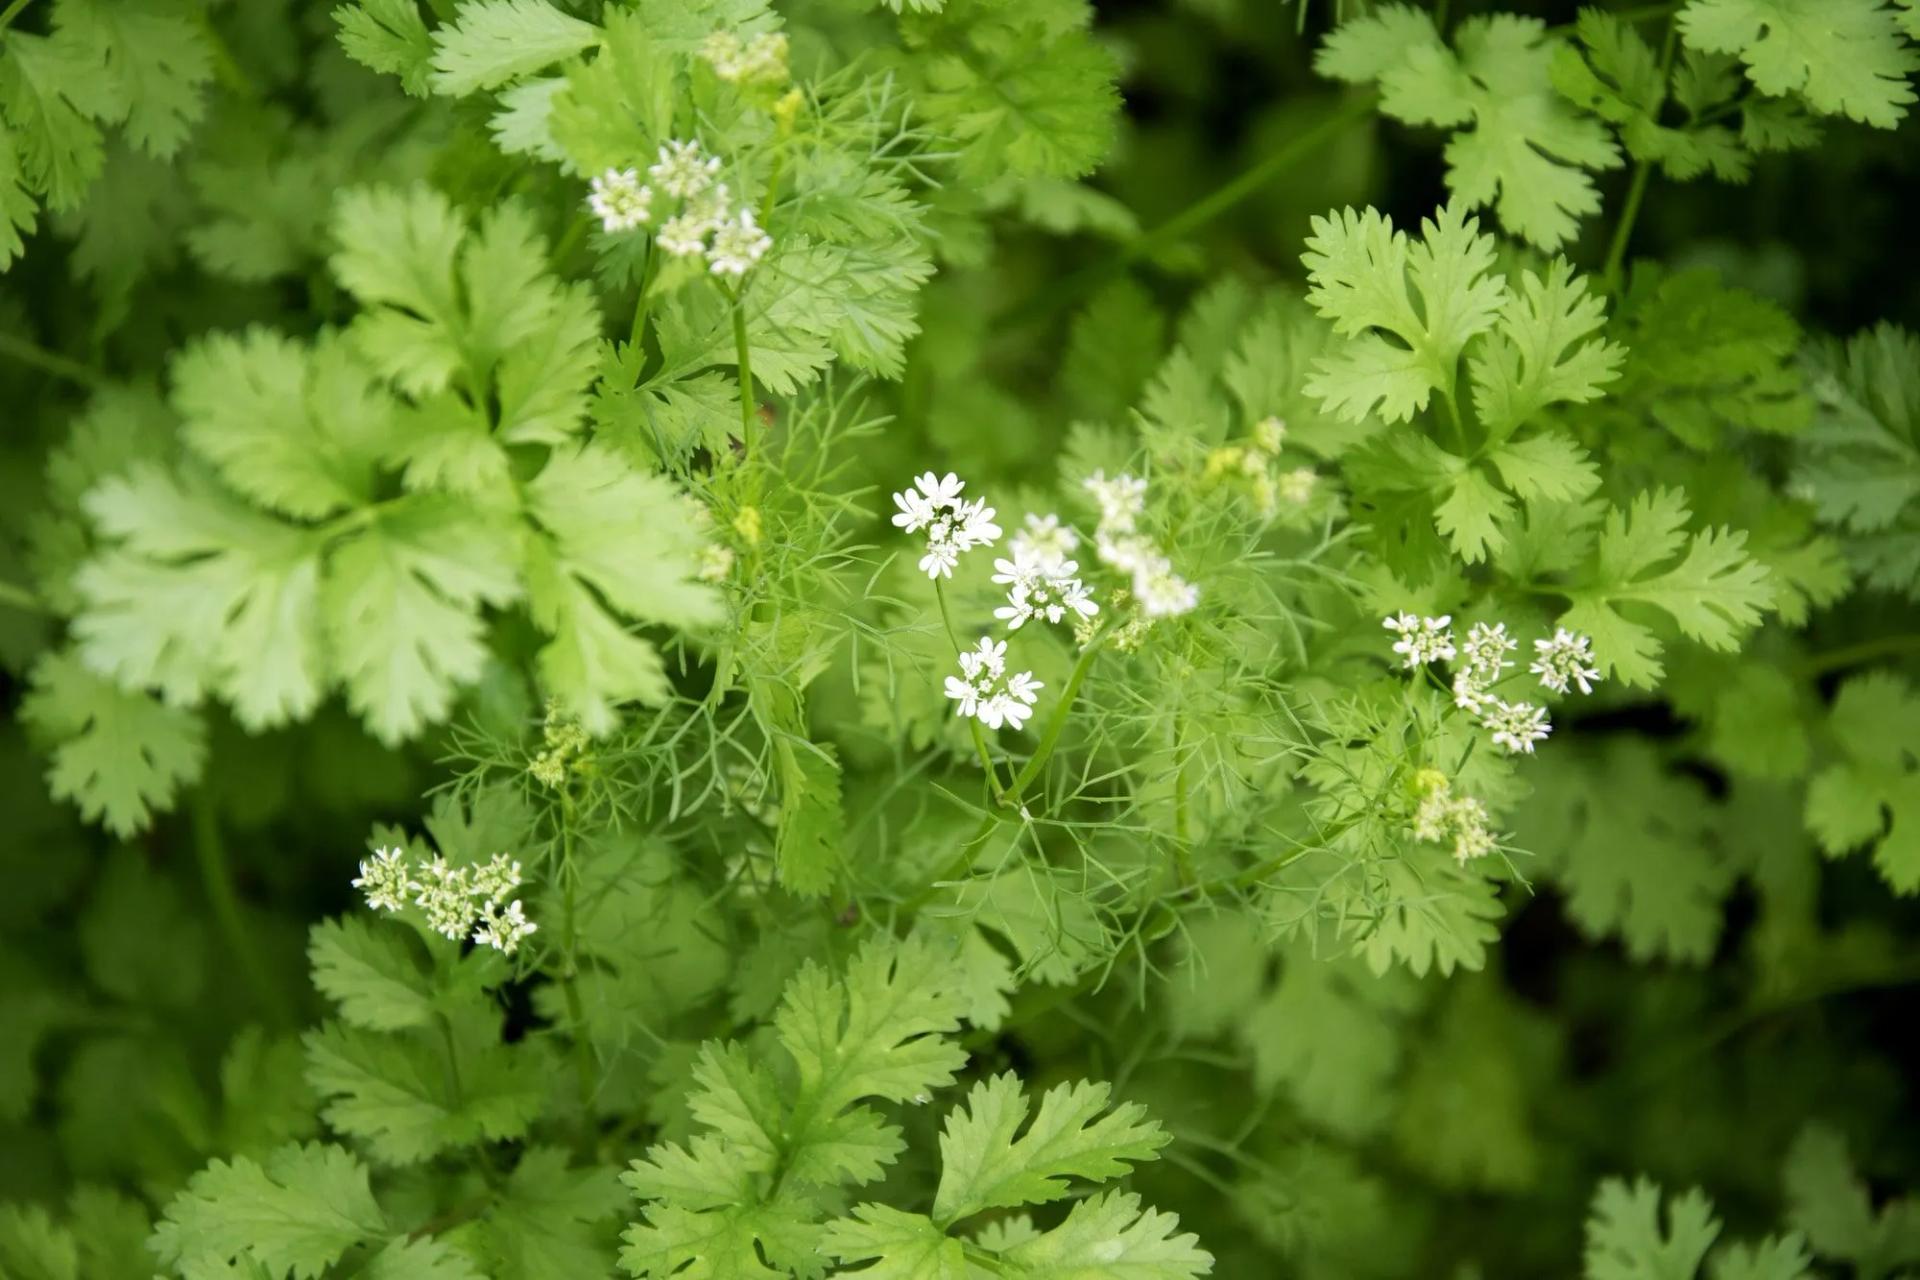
{"type": "Point", "coordinates": [49, 361]}
{"type": "Point", "coordinates": [1616, 263]}
{"type": "Point", "coordinates": [11, 12]}
{"type": "Point", "coordinates": [979, 739]}
{"type": "Point", "coordinates": [227, 68]}
{"type": "Point", "coordinates": [1051, 737]}
{"type": "Point", "coordinates": [583, 1064]}
{"type": "Point", "coordinates": [642, 304]}
{"type": "Point", "coordinates": [1820, 664]}
{"type": "Point", "coordinates": [743, 356]}
{"type": "Point", "coordinates": [1221, 199]}
{"type": "Point", "coordinates": [1182, 848]}
{"type": "Point", "coordinates": [216, 877]}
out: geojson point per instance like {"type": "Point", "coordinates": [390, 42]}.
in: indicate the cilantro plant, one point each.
{"type": "Point", "coordinates": [952, 639]}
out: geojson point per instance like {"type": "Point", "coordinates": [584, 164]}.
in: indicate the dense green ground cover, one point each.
{"type": "Point", "coordinates": [732, 640]}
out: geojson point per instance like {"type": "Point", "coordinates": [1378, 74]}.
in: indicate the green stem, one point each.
{"type": "Point", "coordinates": [743, 356]}
{"type": "Point", "coordinates": [11, 12]}
{"type": "Point", "coordinates": [49, 361]}
{"type": "Point", "coordinates": [1051, 738]}
{"type": "Point", "coordinates": [1820, 664]}
{"type": "Point", "coordinates": [226, 68]}
{"type": "Point", "coordinates": [979, 738]}
{"type": "Point", "coordinates": [21, 598]}
{"type": "Point", "coordinates": [1221, 199]}
{"type": "Point", "coordinates": [1182, 849]}
{"type": "Point", "coordinates": [583, 1063]}
{"type": "Point", "coordinates": [216, 877]}
{"type": "Point", "coordinates": [641, 304]}
{"type": "Point", "coordinates": [1612, 274]}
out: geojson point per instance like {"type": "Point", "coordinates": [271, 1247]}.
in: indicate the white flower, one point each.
{"type": "Point", "coordinates": [1121, 500]}
{"type": "Point", "coordinates": [1430, 818]}
{"type": "Point", "coordinates": [383, 879]}
{"type": "Point", "coordinates": [445, 894]}
{"type": "Point", "coordinates": [1516, 725]}
{"type": "Point", "coordinates": [716, 562]}
{"type": "Point", "coordinates": [1041, 590]}
{"type": "Point", "coordinates": [503, 929]}
{"type": "Point", "coordinates": [1566, 658]}
{"type": "Point", "coordinates": [1268, 434]}
{"type": "Point", "coordinates": [1296, 486]}
{"type": "Point", "coordinates": [1043, 539]}
{"type": "Point", "coordinates": [496, 879]}
{"type": "Point", "coordinates": [1162, 592]}
{"type": "Point", "coordinates": [737, 245]}
{"type": "Point", "coordinates": [619, 200]}
{"type": "Point", "coordinates": [1469, 690]}
{"type": "Point", "coordinates": [953, 524]}
{"type": "Point", "coordinates": [1129, 553]}
{"type": "Point", "coordinates": [1422, 640]}
{"type": "Point", "coordinates": [1485, 650]}
{"type": "Point", "coordinates": [985, 692]}
{"type": "Point", "coordinates": [685, 234]}
{"type": "Point", "coordinates": [682, 171]}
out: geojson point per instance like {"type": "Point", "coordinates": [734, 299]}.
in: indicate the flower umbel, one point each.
{"type": "Point", "coordinates": [953, 524]}
{"type": "Point", "coordinates": [620, 200]}
{"type": "Point", "coordinates": [1041, 589]}
{"type": "Point", "coordinates": [1043, 540]}
{"type": "Point", "coordinates": [984, 690]}
{"type": "Point", "coordinates": [1422, 640]}
{"type": "Point", "coordinates": [1566, 659]}
{"type": "Point", "coordinates": [682, 170]}
{"type": "Point", "coordinates": [503, 928]}
{"type": "Point", "coordinates": [383, 879]}
{"type": "Point", "coordinates": [1517, 726]}
{"type": "Point", "coordinates": [738, 243]}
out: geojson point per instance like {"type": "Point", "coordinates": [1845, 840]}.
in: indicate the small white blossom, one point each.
{"type": "Point", "coordinates": [503, 928]}
{"type": "Point", "coordinates": [716, 562]}
{"type": "Point", "coordinates": [619, 200]}
{"type": "Point", "coordinates": [953, 525]}
{"type": "Point", "coordinates": [1442, 816]}
{"type": "Point", "coordinates": [682, 170]}
{"type": "Point", "coordinates": [1422, 640]}
{"type": "Point", "coordinates": [1469, 690]}
{"type": "Point", "coordinates": [1162, 592]}
{"type": "Point", "coordinates": [445, 895]}
{"type": "Point", "coordinates": [985, 692]}
{"type": "Point", "coordinates": [1043, 539]}
{"type": "Point", "coordinates": [1268, 433]}
{"type": "Point", "coordinates": [1516, 725]}
{"type": "Point", "coordinates": [1565, 659]}
{"type": "Point", "coordinates": [1121, 500]}
{"type": "Point", "coordinates": [737, 244]}
{"type": "Point", "coordinates": [1485, 650]}
{"type": "Point", "coordinates": [383, 879]}
{"type": "Point", "coordinates": [1129, 553]}
{"type": "Point", "coordinates": [496, 879]}
{"type": "Point", "coordinates": [1297, 485]}
{"type": "Point", "coordinates": [1037, 589]}
{"type": "Point", "coordinates": [1431, 816]}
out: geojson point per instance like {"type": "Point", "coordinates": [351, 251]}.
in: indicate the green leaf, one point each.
{"type": "Point", "coordinates": [369, 971]}
{"type": "Point", "coordinates": [293, 427]}
{"type": "Point", "coordinates": [1526, 152]}
{"type": "Point", "coordinates": [402, 610]}
{"type": "Point", "coordinates": [1024, 99]}
{"type": "Point", "coordinates": [1073, 1135]}
{"type": "Point", "coordinates": [494, 41]}
{"type": "Point", "coordinates": [119, 756]}
{"type": "Point", "coordinates": [35, 1247]}
{"type": "Point", "coordinates": [1543, 351]}
{"type": "Point", "coordinates": [1845, 57]}
{"type": "Point", "coordinates": [902, 1246]}
{"type": "Point", "coordinates": [1828, 1201]}
{"type": "Point", "coordinates": [153, 58]}
{"type": "Point", "coordinates": [1879, 771]}
{"type": "Point", "coordinates": [1433, 296]}
{"type": "Point", "coordinates": [52, 146]}
{"type": "Point", "coordinates": [1714, 593]}
{"type": "Point", "coordinates": [552, 1221]}
{"type": "Point", "coordinates": [1616, 75]}
{"type": "Point", "coordinates": [1110, 1235]}
{"type": "Point", "coordinates": [1626, 1241]}
{"type": "Point", "coordinates": [296, 1213]}
{"type": "Point", "coordinates": [390, 37]}
{"type": "Point", "coordinates": [613, 534]}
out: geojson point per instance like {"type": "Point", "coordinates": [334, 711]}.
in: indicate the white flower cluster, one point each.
{"type": "Point", "coordinates": [1040, 579]}
{"type": "Point", "coordinates": [456, 901]}
{"type": "Point", "coordinates": [985, 691]}
{"type": "Point", "coordinates": [706, 223]}
{"type": "Point", "coordinates": [1564, 661]}
{"type": "Point", "coordinates": [954, 525]}
{"type": "Point", "coordinates": [761, 60]}
{"type": "Point", "coordinates": [1442, 817]}
{"type": "Point", "coordinates": [1162, 592]}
